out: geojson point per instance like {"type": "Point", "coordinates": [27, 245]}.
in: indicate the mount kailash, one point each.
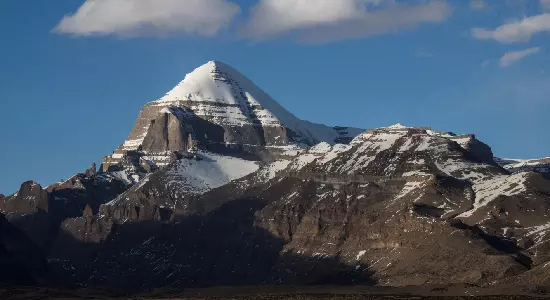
{"type": "Point", "coordinates": [217, 184]}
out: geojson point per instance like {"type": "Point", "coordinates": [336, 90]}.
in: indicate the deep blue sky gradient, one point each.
{"type": "Point", "coordinates": [67, 101]}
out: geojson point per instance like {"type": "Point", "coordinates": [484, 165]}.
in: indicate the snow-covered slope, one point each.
{"type": "Point", "coordinates": [397, 149]}
{"type": "Point", "coordinates": [174, 185]}
{"type": "Point", "coordinates": [541, 165]}
{"type": "Point", "coordinates": [208, 172]}
{"type": "Point", "coordinates": [196, 175]}
{"type": "Point", "coordinates": [415, 156]}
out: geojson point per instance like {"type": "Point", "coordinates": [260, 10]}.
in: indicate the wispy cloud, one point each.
{"type": "Point", "coordinates": [478, 4]}
{"type": "Point", "coordinates": [545, 4]}
{"type": "Point", "coordinates": [328, 20]}
{"type": "Point", "coordinates": [512, 57]}
{"type": "Point", "coordinates": [136, 17]}
{"type": "Point", "coordinates": [520, 31]}
{"type": "Point", "coordinates": [424, 54]}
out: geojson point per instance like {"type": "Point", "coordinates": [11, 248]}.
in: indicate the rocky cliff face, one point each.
{"type": "Point", "coordinates": [168, 133]}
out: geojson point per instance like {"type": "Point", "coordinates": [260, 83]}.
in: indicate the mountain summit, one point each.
{"type": "Point", "coordinates": [222, 110]}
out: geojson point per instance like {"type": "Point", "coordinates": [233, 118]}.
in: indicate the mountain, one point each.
{"type": "Point", "coordinates": [397, 206]}
{"type": "Point", "coordinates": [223, 111]}
{"type": "Point", "coordinates": [219, 185]}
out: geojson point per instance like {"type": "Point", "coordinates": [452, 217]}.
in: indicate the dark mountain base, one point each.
{"type": "Point", "coordinates": [293, 292]}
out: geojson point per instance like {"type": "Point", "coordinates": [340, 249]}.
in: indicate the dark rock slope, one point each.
{"type": "Point", "coordinates": [398, 206]}
{"type": "Point", "coordinates": [21, 261]}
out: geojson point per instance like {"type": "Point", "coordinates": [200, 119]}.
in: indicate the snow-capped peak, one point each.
{"type": "Point", "coordinates": [223, 95]}
{"type": "Point", "coordinates": [241, 114]}
{"type": "Point", "coordinates": [398, 126]}
{"type": "Point", "coordinates": [203, 84]}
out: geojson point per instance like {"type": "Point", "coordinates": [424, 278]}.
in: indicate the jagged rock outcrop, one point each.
{"type": "Point", "coordinates": [30, 198]}
{"type": "Point", "coordinates": [69, 198]}
{"type": "Point", "coordinates": [478, 150]}
{"type": "Point", "coordinates": [39, 212]}
{"type": "Point", "coordinates": [88, 211]}
{"type": "Point", "coordinates": [87, 229]}
{"type": "Point", "coordinates": [92, 171]}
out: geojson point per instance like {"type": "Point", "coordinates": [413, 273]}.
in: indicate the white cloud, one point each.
{"type": "Point", "coordinates": [512, 57]}
{"type": "Point", "coordinates": [329, 20]}
{"type": "Point", "coordinates": [135, 17]}
{"type": "Point", "coordinates": [545, 4]}
{"type": "Point", "coordinates": [520, 31]}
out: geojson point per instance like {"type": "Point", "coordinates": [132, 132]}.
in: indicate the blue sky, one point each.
{"type": "Point", "coordinates": [74, 74]}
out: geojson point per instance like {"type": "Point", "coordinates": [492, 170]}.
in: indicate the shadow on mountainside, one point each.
{"type": "Point", "coordinates": [21, 261]}
{"type": "Point", "coordinates": [221, 248]}
{"type": "Point", "coordinates": [499, 244]}
{"type": "Point", "coordinates": [41, 223]}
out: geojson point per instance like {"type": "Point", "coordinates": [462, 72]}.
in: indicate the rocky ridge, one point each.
{"type": "Point", "coordinates": [541, 165]}
{"type": "Point", "coordinates": [397, 206]}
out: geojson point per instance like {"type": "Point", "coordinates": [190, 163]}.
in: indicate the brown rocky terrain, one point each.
{"type": "Point", "coordinates": [397, 207]}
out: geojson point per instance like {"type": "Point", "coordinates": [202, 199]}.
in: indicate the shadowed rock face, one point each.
{"type": "Point", "coordinates": [69, 198]}
{"type": "Point", "coordinates": [21, 261]}
{"type": "Point", "coordinates": [478, 150]}
{"type": "Point", "coordinates": [40, 212]}
{"type": "Point", "coordinates": [167, 133]}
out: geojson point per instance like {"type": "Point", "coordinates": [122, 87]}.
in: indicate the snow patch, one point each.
{"type": "Point", "coordinates": [209, 172]}
{"type": "Point", "coordinates": [360, 254]}
{"type": "Point", "coordinates": [488, 190]}
{"type": "Point", "coordinates": [269, 172]}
